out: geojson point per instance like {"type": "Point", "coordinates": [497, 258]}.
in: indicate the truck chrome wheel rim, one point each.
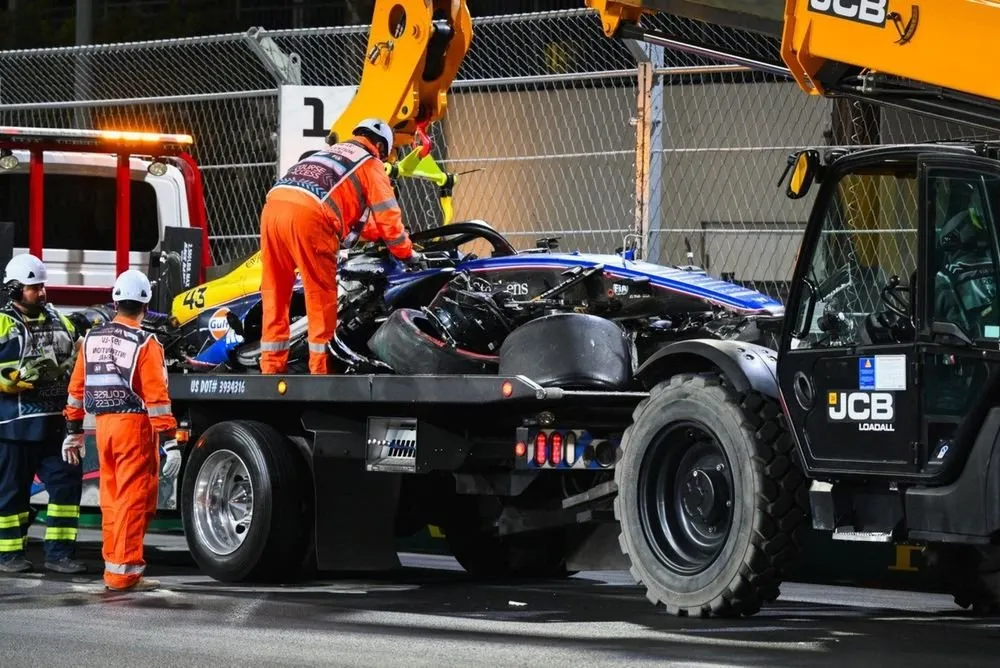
{"type": "Point", "coordinates": [685, 497]}
{"type": "Point", "coordinates": [223, 502]}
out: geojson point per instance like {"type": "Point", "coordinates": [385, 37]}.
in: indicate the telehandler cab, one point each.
{"type": "Point", "coordinates": [888, 365]}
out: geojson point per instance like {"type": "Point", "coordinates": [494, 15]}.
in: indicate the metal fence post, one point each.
{"type": "Point", "coordinates": [84, 36]}
{"type": "Point", "coordinates": [286, 67]}
{"type": "Point", "coordinates": [648, 147]}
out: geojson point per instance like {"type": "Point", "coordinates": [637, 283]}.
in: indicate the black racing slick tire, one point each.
{"type": "Point", "coordinates": [409, 343]}
{"type": "Point", "coordinates": [569, 350]}
{"type": "Point", "coordinates": [246, 500]}
{"type": "Point", "coordinates": [709, 498]}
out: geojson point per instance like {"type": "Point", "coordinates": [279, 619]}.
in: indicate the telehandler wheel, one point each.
{"type": "Point", "coordinates": [246, 504]}
{"type": "Point", "coordinates": [970, 573]}
{"type": "Point", "coordinates": [709, 498]}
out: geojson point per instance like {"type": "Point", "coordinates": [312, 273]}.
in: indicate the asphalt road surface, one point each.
{"type": "Point", "coordinates": [432, 614]}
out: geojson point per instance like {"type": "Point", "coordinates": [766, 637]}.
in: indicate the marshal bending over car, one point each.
{"type": "Point", "coordinates": [462, 313]}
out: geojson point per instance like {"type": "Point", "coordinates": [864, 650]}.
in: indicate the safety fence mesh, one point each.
{"type": "Point", "coordinates": [542, 126]}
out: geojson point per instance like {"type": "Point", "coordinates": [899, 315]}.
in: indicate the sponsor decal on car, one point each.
{"type": "Point", "coordinates": [218, 324]}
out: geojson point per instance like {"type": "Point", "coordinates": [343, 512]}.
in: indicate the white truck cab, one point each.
{"type": "Point", "coordinates": [64, 191]}
{"type": "Point", "coordinates": [79, 213]}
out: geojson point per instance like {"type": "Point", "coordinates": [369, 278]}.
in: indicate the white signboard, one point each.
{"type": "Point", "coordinates": [307, 113]}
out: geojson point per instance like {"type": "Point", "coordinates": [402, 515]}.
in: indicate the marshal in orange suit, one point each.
{"type": "Point", "coordinates": [326, 200]}
{"type": "Point", "coordinates": [120, 377]}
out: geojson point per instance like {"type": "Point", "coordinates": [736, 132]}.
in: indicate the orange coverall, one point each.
{"type": "Point", "coordinates": [120, 377]}
{"type": "Point", "coordinates": [321, 201]}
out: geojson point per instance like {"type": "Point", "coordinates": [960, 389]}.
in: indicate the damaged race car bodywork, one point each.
{"type": "Point", "coordinates": [455, 312]}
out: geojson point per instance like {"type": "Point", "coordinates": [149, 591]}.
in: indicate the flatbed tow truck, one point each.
{"type": "Point", "coordinates": [697, 475]}
{"type": "Point", "coordinates": [332, 457]}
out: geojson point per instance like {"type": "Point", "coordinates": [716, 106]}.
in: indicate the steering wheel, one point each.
{"type": "Point", "coordinates": [894, 301]}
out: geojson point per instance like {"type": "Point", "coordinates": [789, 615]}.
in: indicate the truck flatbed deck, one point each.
{"type": "Point", "coordinates": [384, 389]}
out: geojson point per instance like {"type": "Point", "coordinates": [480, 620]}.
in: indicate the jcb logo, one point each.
{"type": "Point", "coordinates": [860, 406]}
{"type": "Point", "coordinates": [872, 12]}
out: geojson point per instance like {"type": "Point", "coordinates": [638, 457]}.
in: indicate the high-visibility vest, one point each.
{"type": "Point", "coordinates": [321, 173]}
{"type": "Point", "coordinates": [110, 354]}
{"type": "Point", "coordinates": [33, 415]}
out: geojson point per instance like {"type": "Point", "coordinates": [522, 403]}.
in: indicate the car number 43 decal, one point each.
{"type": "Point", "coordinates": [195, 298]}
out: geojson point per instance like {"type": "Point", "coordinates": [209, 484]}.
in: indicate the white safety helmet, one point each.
{"type": "Point", "coordinates": [132, 285]}
{"type": "Point", "coordinates": [26, 269]}
{"type": "Point", "coordinates": [380, 128]}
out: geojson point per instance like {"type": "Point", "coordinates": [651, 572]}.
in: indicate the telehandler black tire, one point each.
{"type": "Point", "coordinates": [709, 497]}
{"type": "Point", "coordinates": [970, 573]}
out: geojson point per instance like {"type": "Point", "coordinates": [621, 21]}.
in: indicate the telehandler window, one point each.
{"type": "Point", "coordinates": [864, 260]}
{"type": "Point", "coordinates": [964, 253]}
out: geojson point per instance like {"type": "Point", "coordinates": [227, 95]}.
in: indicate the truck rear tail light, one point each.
{"type": "Point", "coordinates": [541, 445]}
{"type": "Point", "coordinates": [556, 448]}
{"type": "Point", "coordinates": [605, 454]}
{"type": "Point", "coordinates": [570, 457]}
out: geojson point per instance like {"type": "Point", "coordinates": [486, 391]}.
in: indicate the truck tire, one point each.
{"type": "Point", "coordinates": [535, 555]}
{"type": "Point", "coordinates": [709, 498]}
{"type": "Point", "coordinates": [486, 555]}
{"type": "Point", "coordinates": [408, 343]}
{"type": "Point", "coordinates": [239, 466]}
{"type": "Point", "coordinates": [568, 350]}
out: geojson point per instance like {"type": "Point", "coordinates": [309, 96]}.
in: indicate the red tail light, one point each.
{"type": "Point", "coordinates": [556, 452]}
{"type": "Point", "coordinates": [540, 449]}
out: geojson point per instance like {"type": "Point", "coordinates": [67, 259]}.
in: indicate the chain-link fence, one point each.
{"type": "Point", "coordinates": [726, 133]}
{"type": "Point", "coordinates": [221, 89]}
{"type": "Point", "coordinates": [555, 130]}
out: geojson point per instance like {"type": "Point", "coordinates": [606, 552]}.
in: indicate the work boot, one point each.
{"type": "Point", "coordinates": [66, 565]}
{"type": "Point", "coordinates": [15, 565]}
{"type": "Point", "coordinates": [144, 584]}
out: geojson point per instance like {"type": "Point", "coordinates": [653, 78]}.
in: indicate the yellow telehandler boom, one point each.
{"type": "Point", "coordinates": [928, 57]}
{"type": "Point", "coordinates": [415, 48]}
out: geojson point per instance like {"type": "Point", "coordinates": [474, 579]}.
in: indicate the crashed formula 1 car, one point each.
{"type": "Point", "coordinates": [462, 313]}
